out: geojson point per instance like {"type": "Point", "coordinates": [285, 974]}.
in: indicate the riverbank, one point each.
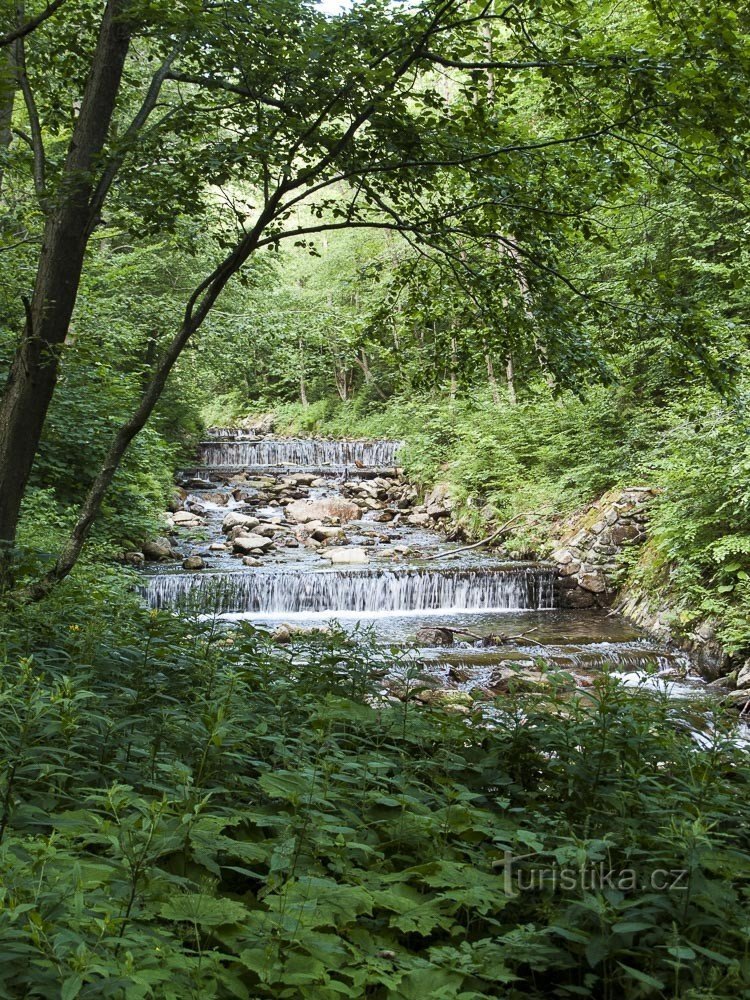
{"type": "Point", "coordinates": [546, 461]}
{"type": "Point", "coordinates": [245, 794]}
{"type": "Point", "coordinates": [290, 534]}
{"type": "Point", "coordinates": [190, 811]}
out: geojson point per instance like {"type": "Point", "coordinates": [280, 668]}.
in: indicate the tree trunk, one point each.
{"type": "Point", "coordinates": [454, 364]}
{"type": "Point", "coordinates": [33, 373]}
{"type": "Point", "coordinates": [7, 101]}
{"type": "Point", "coordinates": [302, 386]}
{"type": "Point", "coordinates": [492, 379]}
{"type": "Point", "coordinates": [510, 376]}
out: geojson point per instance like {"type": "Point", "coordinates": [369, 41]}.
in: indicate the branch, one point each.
{"type": "Point", "coordinates": [215, 83]}
{"type": "Point", "coordinates": [140, 119]}
{"type": "Point", "coordinates": [515, 64]}
{"type": "Point", "coordinates": [31, 25]}
{"type": "Point", "coordinates": [503, 530]}
{"type": "Point", "coordinates": [35, 128]}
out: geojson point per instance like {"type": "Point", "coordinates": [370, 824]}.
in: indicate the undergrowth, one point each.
{"type": "Point", "coordinates": [548, 458]}
{"type": "Point", "coordinates": [186, 812]}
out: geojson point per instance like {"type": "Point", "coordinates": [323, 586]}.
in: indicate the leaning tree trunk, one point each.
{"type": "Point", "coordinates": [34, 370]}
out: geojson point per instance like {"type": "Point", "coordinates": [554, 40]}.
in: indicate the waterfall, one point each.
{"type": "Point", "coordinates": [231, 434]}
{"type": "Point", "coordinates": [410, 589]}
{"type": "Point", "coordinates": [312, 452]}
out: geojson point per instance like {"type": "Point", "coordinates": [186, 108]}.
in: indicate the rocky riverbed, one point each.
{"type": "Point", "coordinates": [293, 535]}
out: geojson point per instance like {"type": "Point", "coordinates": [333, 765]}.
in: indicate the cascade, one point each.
{"type": "Point", "coordinates": [299, 451]}
{"type": "Point", "coordinates": [353, 590]}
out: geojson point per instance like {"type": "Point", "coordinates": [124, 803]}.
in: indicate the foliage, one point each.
{"type": "Point", "coordinates": [191, 813]}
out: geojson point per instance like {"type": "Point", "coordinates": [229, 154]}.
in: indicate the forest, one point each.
{"type": "Point", "coordinates": [374, 499]}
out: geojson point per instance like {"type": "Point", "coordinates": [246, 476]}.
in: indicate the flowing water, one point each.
{"type": "Point", "coordinates": [312, 452]}
{"type": "Point", "coordinates": [371, 591]}
{"type": "Point", "coordinates": [499, 614]}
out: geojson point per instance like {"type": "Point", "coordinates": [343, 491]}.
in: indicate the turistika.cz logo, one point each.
{"type": "Point", "coordinates": [521, 875]}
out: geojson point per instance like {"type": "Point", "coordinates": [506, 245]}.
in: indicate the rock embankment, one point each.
{"type": "Point", "coordinates": [588, 554]}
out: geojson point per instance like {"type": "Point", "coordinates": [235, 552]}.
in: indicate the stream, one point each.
{"type": "Point", "coordinates": [290, 534]}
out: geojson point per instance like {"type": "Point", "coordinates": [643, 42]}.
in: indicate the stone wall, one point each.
{"type": "Point", "coordinates": [587, 554]}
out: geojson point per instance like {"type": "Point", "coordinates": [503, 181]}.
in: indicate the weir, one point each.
{"type": "Point", "coordinates": [300, 452]}
{"type": "Point", "coordinates": [353, 590]}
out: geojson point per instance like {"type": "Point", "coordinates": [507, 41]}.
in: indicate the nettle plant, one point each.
{"type": "Point", "coordinates": [197, 812]}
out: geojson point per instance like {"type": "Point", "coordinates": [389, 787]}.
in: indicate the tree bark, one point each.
{"type": "Point", "coordinates": [302, 385]}
{"type": "Point", "coordinates": [492, 379]}
{"type": "Point", "coordinates": [454, 366]}
{"type": "Point", "coordinates": [34, 371]}
{"type": "Point", "coordinates": [510, 376]}
{"type": "Point", "coordinates": [7, 102]}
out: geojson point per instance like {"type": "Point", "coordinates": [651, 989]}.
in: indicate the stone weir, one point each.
{"type": "Point", "coordinates": [388, 591]}
{"type": "Point", "coordinates": [307, 452]}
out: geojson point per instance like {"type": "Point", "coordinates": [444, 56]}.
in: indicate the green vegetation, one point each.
{"type": "Point", "coordinates": [514, 236]}
{"type": "Point", "coordinates": [194, 814]}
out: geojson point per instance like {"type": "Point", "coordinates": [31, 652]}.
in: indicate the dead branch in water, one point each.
{"type": "Point", "coordinates": [482, 638]}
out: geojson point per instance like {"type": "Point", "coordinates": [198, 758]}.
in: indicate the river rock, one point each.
{"type": "Point", "coordinates": [134, 558]}
{"type": "Point", "coordinates": [302, 511]}
{"type": "Point", "coordinates": [193, 562]}
{"type": "Point", "coordinates": [158, 549]}
{"type": "Point", "coordinates": [577, 598]}
{"type": "Point", "coordinates": [743, 676]}
{"type": "Point", "coordinates": [435, 636]}
{"type": "Point", "coordinates": [419, 520]}
{"type": "Point", "coordinates": [507, 679]}
{"type": "Point", "coordinates": [329, 534]}
{"type": "Point", "coordinates": [186, 519]}
{"type": "Point", "coordinates": [447, 698]}
{"type": "Point", "coordinates": [593, 581]}
{"type": "Point", "coordinates": [252, 543]}
{"type": "Point", "coordinates": [251, 561]}
{"type": "Point", "coordinates": [351, 554]}
{"type": "Point", "coordinates": [236, 520]}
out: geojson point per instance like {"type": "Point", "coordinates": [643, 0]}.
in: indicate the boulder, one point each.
{"type": "Point", "coordinates": [577, 598]}
{"type": "Point", "coordinates": [251, 561]}
{"type": "Point", "coordinates": [236, 520]}
{"type": "Point", "coordinates": [446, 697]}
{"type": "Point", "coordinates": [349, 554]}
{"type": "Point", "coordinates": [329, 534]}
{"type": "Point", "coordinates": [302, 511]}
{"type": "Point", "coordinates": [186, 519]}
{"type": "Point", "coordinates": [419, 520]}
{"type": "Point", "coordinates": [593, 581]}
{"type": "Point", "coordinates": [252, 543]}
{"type": "Point", "coordinates": [743, 676]}
{"type": "Point", "coordinates": [158, 549]}
{"type": "Point", "coordinates": [134, 558]}
{"type": "Point", "coordinates": [193, 562]}
{"type": "Point", "coordinates": [435, 636]}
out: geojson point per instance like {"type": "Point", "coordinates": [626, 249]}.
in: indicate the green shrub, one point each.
{"type": "Point", "coordinates": [185, 812]}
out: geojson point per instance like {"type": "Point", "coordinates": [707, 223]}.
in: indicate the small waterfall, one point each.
{"type": "Point", "coordinates": [291, 451]}
{"type": "Point", "coordinates": [231, 434]}
{"type": "Point", "coordinates": [391, 591]}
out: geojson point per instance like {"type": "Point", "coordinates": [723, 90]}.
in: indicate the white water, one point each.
{"type": "Point", "coordinates": [366, 591]}
{"type": "Point", "coordinates": [292, 451]}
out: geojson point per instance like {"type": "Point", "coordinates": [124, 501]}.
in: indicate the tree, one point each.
{"type": "Point", "coordinates": [275, 106]}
